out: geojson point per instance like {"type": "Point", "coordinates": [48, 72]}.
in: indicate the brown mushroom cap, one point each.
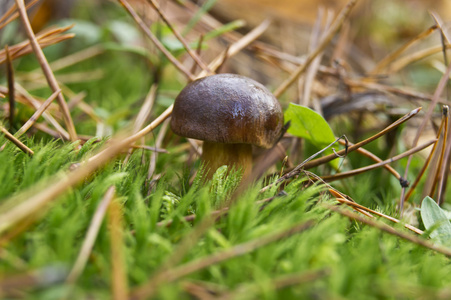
{"type": "Point", "coordinates": [228, 108]}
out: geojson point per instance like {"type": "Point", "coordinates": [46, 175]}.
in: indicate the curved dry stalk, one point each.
{"type": "Point", "coordinates": [393, 55]}
{"type": "Point", "coordinates": [384, 163]}
{"type": "Point", "coordinates": [188, 49]}
{"type": "Point", "coordinates": [438, 91]}
{"type": "Point", "coordinates": [384, 227]}
{"type": "Point", "coordinates": [10, 15]}
{"type": "Point", "coordinates": [46, 70]}
{"type": "Point", "coordinates": [402, 62]}
{"type": "Point", "coordinates": [155, 40]}
{"type": "Point", "coordinates": [392, 90]}
{"type": "Point", "coordinates": [44, 39]}
{"type": "Point", "coordinates": [169, 275]}
{"type": "Point", "coordinates": [37, 114]}
{"type": "Point", "coordinates": [324, 42]}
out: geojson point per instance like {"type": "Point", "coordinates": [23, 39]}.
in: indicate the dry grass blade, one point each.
{"type": "Point", "coordinates": [155, 40]}
{"type": "Point", "coordinates": [10, 77]}
{"type": "Point", "coordinates": [237, 46]}
{"type": "Point", "coordinates": [384, 227]}
{"type": "Point", "coordinates": [119, 282]}
{"type": "Point", "coordinates": [44, 39]}
{"type": "Point", "coordinates": [11, 15]}
{"type": "Point", "coordinates": [444, 159]}
{"type": "Point", "coordinates": [188, 49]}
{"type": "Point", "coordinates": [402, 62]}
{"type": "Point", "coordinates": [438, 91]}
{"type": "Point", "coordinates": [46, 69]}
{"type": "Point", "coordinates": [75, 58]}
{"type": "Point", "coordinates": [62, 133]}
{"type": "Point", "coordinates": [324, 42]}
{"type": "Point", "coordinates": [169, 275]}
{"type": "Point", "coordinates": [91, 236]}
{"type": "Point", "coordinates": [37, 114]}
{"type": "Point", "coordinates": [16, 142]}
{"type": "Point", "coordinates": [402, 92]}
{"type": "Point", "coordinates": [392, 56]}
{"type": "Point", "coordinates": [354, 172]}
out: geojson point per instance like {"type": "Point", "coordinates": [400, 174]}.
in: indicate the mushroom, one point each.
{"type": "Point", "coordinates": [230, 113]}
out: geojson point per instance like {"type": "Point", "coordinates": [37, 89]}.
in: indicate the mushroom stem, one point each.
{"type": "Point", "coordinates": [215, 155]}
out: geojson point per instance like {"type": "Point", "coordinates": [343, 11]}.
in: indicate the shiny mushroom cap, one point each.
{"type": "Point", "coordinates": [228, 108]}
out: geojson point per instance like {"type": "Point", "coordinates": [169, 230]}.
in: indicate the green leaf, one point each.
{"type": "Point", "coordinates": [311, 126]}
{"type": "Point", "coordinates": [435, 219]}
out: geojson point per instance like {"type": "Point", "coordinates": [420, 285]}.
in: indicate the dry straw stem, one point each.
{"type": "Point", "coordinates": [188, 49]}
{"type": "Point", "coordinates": [354, 172]}
{"type": "Point", "coordinates": [10, 77]}
{"type": "Point", "coordinates": [38, 113]}
{"type": "Point", "coordinates": [21, 92]}
{"type": "Point", "coordinates": [46, 69]}
{"type": "Point", "coordinates": [402, 62]}
{"type": "Point", "coordinates": [438, 91]}
{"type": "Point", "coordinates": [44, 39]}
{"type": "Point", "coordinates": [11, 14]}
{"type": "Point", "coordinates": [324, 42]}
{"type": "Point", "coordinates": [91, 235]}
{"type": "Point", "coordinates": [119, 282]}
{"type": "Point", "coordinates": [426, 163]}
{"type": "Point", "coordinates": [402, 92]}
{"type": "Point", "coordinates": [393, 55]}
{"type": "Point", "coordinates": [384, 227]}
{"type": "Point", "coordinates": [155, 40]}
{"type": "Point", "coordinates": [340, 197]}
{"type": "Point", "coordinates": [146, 291]}
{"type": "Point", "coordinates": [438, 173]}
{"type": "Point", "coordinates": [16, 142]}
